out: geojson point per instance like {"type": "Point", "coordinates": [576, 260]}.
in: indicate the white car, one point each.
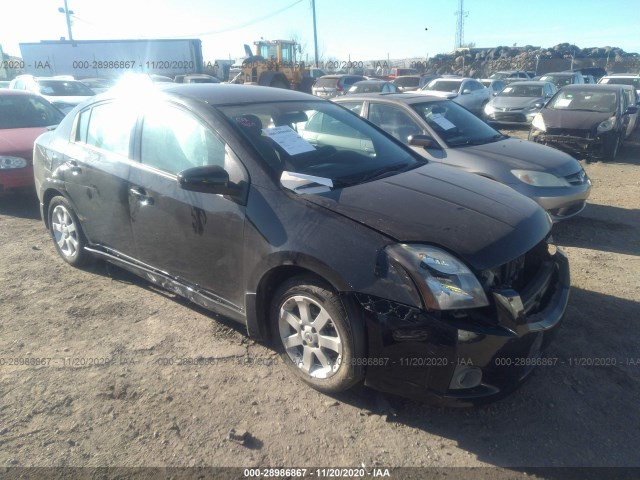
{"type": "Point", "coordinates": [468, 92]}
{"type": "Point", "coordinates": [64, 92]}
{"type": "Point", "coordinates": [622, 79]}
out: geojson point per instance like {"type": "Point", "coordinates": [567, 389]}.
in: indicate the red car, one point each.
{"type": "Point", "coordinates": [23, 117]}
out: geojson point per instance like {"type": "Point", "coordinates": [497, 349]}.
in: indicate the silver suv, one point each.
{"type": "Point", "coordinates": [334, 85]}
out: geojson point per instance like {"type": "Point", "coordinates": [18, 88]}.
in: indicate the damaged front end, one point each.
{"type": "Point", "coordinates": [466, 356]}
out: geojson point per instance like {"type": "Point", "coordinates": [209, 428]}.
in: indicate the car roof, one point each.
{"type": "Point", "coordinates": [12, 91]}
{"type": "Point", "coordinates": [340, 75]}
{"type": "Point", "coordinates": [564, 74]}
{"type": "Point", "coordinates": [406, 98]}
{"type": "Point", "coordinates": [227, 94]}
{"type": "Point", "coordinates": [535, 83]}
{"type": "Point", "coordinates": [370, 82]}
{"type": "Point", "coordinates": [591, 86]}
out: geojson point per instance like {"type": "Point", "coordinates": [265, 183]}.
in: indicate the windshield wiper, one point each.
{"type": "Point", "coordinates": [481, 141]}
{"type": "Point", "coordinates": [386, 172]}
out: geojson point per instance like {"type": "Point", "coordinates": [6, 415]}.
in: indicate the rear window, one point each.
{"type": "Point", "coordinates": [407, 82]}
{"type": "Point", "coordinates": [444, 86]}
{"type": "Point", "coordinates": [18, 111]}
{"type": "Point", "coordinates": [326, 82]}
{"type": "Point", "coordinates": [64, 88]}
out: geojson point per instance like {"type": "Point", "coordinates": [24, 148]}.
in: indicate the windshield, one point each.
{"type": "Point", "coordinates": [635, 82]}
{"type": "Point", "coordinates": [455, 125]}
{"type": "Point", "coordinates": [60, 88]}
{"type": "Point", "coordinates": [451, 86]}
{"type": "Point", "coordinates": [519, 90]}
{"type": "Point", "coordinates": [18, 111]}
{"type": "Point", "coordinates": [499, 75]}
{"type": "Point", "coordinates": [326, 82]}
{"type": "Point", "coordinates": [407, 81]}
{"type": "Point", "coordinates": [319, 142]}
{"type": "Point", "coordinates": [584, 100]}
{"type": "Point", "coordinates": [559, 80]}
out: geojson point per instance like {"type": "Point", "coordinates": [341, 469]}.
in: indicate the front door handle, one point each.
{"type": "Point", "coordinates": [141, 196]}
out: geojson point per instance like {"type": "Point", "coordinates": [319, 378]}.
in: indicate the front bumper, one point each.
{"type": "Point", "coordinates": [16, 179]}
{"type": "Point", "coordinates": [419, 356]}
{"type": "Point", "coordinates": [517, 117]}
{"type": "Point", "coordinates": [560, 202]}
{"type": "Point", "coordinates": [577, 145]}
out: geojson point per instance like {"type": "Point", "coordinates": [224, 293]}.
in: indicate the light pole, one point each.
{"type": "Point", "coordinates": [315, 33]}
{"type": "Point", "coordinates": [67, 14]}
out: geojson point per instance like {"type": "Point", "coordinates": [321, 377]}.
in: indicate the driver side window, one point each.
{"type": "Point", "coordinates": [173, 140]}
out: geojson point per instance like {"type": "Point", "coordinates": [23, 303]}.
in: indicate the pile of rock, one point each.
{"type": "Point", "coordinates": [481, 62]}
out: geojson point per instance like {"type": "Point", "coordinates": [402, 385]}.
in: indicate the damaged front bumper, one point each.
{"type": "Point", "coordinates": [573, 144]}
{"type": "Point", "coordinates": [468, 357]}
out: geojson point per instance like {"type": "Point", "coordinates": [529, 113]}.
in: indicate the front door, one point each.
{"type": "Point", "coordinates": [195, 236]}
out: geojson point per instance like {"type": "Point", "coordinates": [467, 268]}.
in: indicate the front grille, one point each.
{"type": "Point", "coordinates": [569, 132]}
{"type": "Point", "coordinates": [518, 273]}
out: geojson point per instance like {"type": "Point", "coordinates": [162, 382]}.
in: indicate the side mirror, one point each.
{"type": "Point", "coordinates": [207, 179]}
{"type": "Point", "coordinates": [423, 141]}
{"type": "Point", "coordinates": [631, 110]}
{"type": "Point", "coordinates": [466, 91]}
{"type": "Point", "coordinates": [548, 95]}
{"type": "Point", "coordinates": [495, 94]}
{"type": "Point", "coordinates": [538, 105]}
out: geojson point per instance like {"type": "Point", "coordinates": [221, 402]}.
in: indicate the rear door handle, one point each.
{"type": "Point", "coordinates": [140, 194]}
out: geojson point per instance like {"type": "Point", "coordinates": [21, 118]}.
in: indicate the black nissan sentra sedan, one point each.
{"type": "Point", "coordinates": [361, 261]}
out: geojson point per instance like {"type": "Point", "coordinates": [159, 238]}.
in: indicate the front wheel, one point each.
{"type": "Point", "coordinates": [315, 337]}
{"type": "Point", "coordinates": [66, 233]}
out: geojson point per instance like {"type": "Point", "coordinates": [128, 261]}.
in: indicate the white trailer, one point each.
{"type": "Point", "coordinates": [112, 58]}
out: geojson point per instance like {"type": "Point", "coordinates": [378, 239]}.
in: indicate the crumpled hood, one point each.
{"type": "Point", "coordinates": [483, 222]}
{"type": "Point", "coordinates": [19, 141]}
{"type": "Point", "coordinates": [573, 119]}
{"type": "Point", "coordinates": [525, 155]}
{"type": "Point", "coordinates": [515, 102]}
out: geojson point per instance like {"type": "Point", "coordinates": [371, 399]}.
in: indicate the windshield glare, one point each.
{"type": "Point", "coordinates": [319, 139]}
{"type": "Point", "coordinates": [455, 125]}
{"type": "Point", "coordinates": [585, 100]}
{"type": "Point", "coordinates": [61, 88]}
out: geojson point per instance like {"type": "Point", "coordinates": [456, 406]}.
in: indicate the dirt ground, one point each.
{"type": "Point", "coordinates": [105, 395]}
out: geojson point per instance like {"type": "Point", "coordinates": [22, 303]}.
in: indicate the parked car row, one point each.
{"type": "Point", "coordinates": [353, 252]}
{"type": "Point", "coordinates": [443, 132]}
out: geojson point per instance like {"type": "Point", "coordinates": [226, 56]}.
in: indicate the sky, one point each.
{"type": "Point", "coordinates": [356, 30]}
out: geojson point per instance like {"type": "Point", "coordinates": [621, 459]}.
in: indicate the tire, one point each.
{"type": "Point", "coordinates": [66, 232]}
{"type": "Point", "coordinates": [315, 337]}
{"type": "Point", "coordinates": [612, 147]}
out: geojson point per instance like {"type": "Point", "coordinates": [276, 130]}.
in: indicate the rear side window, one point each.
{"type": "Point", "coordinates": [108, 127]}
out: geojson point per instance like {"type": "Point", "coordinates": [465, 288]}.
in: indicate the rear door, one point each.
{"type": "Point", "coordinates": [197, 237]}
{"type": "Point", "coordinates": [96, 172]}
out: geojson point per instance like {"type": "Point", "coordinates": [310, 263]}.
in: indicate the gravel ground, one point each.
{"type": "Point", "coordinates": [132, 410]}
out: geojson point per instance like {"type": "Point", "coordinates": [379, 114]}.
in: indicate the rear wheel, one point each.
{"type": "Point", "coordinates": [66, 233]}
{"type": "Point", "coordinates": [314, 336]}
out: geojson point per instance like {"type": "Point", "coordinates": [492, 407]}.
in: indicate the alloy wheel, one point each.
{"type": "Point", "coordinates": [310, 337]}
